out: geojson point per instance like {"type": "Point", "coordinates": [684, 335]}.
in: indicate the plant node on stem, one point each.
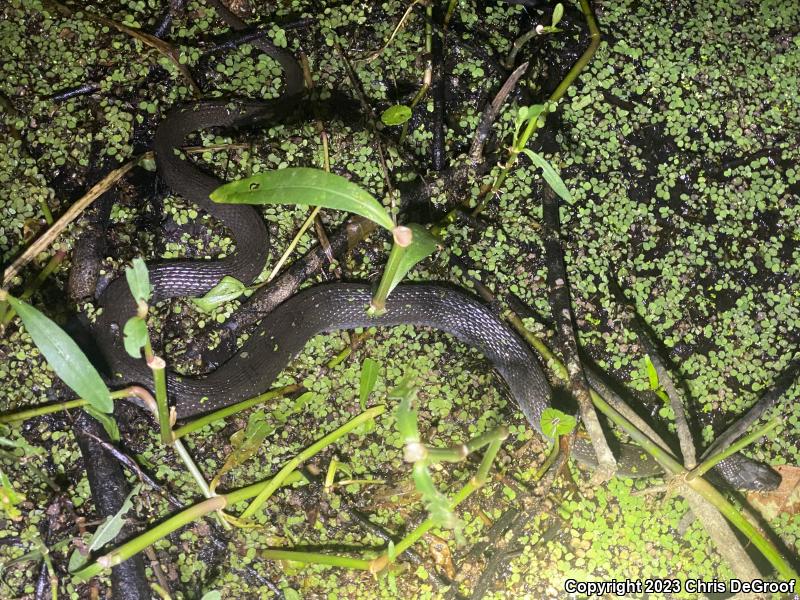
{"type": "Point", "coordinates": [403, 237]}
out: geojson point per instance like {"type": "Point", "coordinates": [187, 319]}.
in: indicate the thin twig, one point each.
{"type": "Point", "coordinates": [771, 398]}
{"type": "Point", "coordinates": [632, 319]}
{"type": "Point", "coordinates": [72, 213]}
{"type": "Point", "coordinates": [560, 304]}
{"type": "Point", "coordinates": [491, 112]}
{"type": "Point", "coordinates": [131, 463]}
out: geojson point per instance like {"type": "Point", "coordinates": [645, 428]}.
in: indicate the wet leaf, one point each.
{"type": "Point", "coordinates": [526, 113]}
{"type": "Point", "coordinates": [555, 423]}
{"type": "Point", "coordinates": [135, 336]}
{"type": "Point", "coordinates": [396, 115]}
{"type": "Point", "coordinates": [652, 374]}
{"type": "Point", "coordinates": [550, 175]}
{"type": "Point", "coordinates": [64, 356]}
{"type": "Point", "coordinates": [104, 533]}
{"type": "Point", "coordinates": [139, 281]}
{"type": "Point", "coordinates": [369, 377]}
{"type": "Point", "coordinates": [106, 420]}
{"type": "Point", "coordinates": [229, 288]}
{"type": "Point", "coordinates": [558, 13]}
{"type": "Point", "coordinates": [307, 187]}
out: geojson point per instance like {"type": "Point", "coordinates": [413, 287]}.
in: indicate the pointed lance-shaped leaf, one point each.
{"type": "Point", "coordinates": [550, 175]}
{"type": "Point", "coordinates": [64, 356]}
{"type": "Point", "coordinates": [307, 187]}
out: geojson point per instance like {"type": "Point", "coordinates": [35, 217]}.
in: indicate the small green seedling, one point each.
{"type": "Point", "coordinates": [229, 288]}
{"type": "Point", "coordinates": [105, 533]}
{"type": "Point", "coordinates": [439, 507]}
{"type": "Point", "coordinates": [558, 13]}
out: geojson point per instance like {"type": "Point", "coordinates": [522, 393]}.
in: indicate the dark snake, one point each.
{"type": "Point", "coordinates": [283, 333]}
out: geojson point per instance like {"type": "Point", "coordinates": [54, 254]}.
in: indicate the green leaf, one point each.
{"type": "Point", "coordinates": [9, 498]}
{"type": "Point", "coordinates": [369, 376]}
{"type": "Point", "coordinates": [229, 288]}
{"type": "Point", "coordinates": [652, 374]}
{"type": "Point", "coordinates": [18, 442]}
{"type": "Point", "coordinates": [555, 423]}
{"type": "Point", "coordinates": [106, 420]}
{"type": "Point", "coordinates": [526, 113]}
{"type": "Point", "coordinates": [396, 115]}
{"type": "Point", "coordinates": [406, 417]}
{"type": "Point", "coordinates": [550, 175]}
{"type": "Point", "coordinates": [558, 12]}
{"type": "Point", "coordinates": [215, 595]}
{"type": "Point", "coordinates": [291, 594]}
{"type": "Point", "coordinates": [104, 533]}
{"type": "Point", "coordinates": [422, 247]}
{"type": "Point", "coordinates": [135, 336]}
{"type": "Point", "coordinates": [245, 444]}
{"type": "Point", "coordinates": [304, 186]}
{"type": "Point", "coordinates": [64, 356]}
{"type": "Point", "coordinates": [139, 281]}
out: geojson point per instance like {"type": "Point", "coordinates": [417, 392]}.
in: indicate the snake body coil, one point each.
{"type": "Point", "coordinates": [284, 332]}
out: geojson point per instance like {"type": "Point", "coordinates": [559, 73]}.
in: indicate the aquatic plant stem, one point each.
{"type": "Point", "coordinates": [140, 542]}
{"type": "Point", "coordinates": [233, 409]}
{"type": "Point", "coordinates": [48, 409]}
{"type": "Point", "coordinates": [403, 238]}
{"type": "Point", "coordinates": [551, 458]}
{"type": "Point", "coordinates": [427, 77]}
{"type": "Point", "coordinates": [318, 559]}
{"type": "Point", "coordinates": [318, 446]}
{"type": "Point", "coordinates": [180, 449]}
{"type": "Point", "coordinates": [184, 517]}
{"type": "Point", "coordinates": [701, 486]}
{"type": "Point", "coordinates": [161, 591]}
{"type": "Point", "coordinates": [158, 367]}
{"type": "Point", "coordinates": [533, 124]}
{"type": "Point", "coordinates": [709, 463]}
